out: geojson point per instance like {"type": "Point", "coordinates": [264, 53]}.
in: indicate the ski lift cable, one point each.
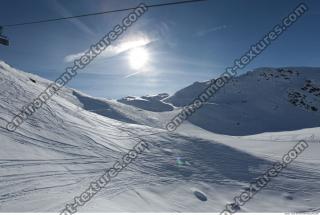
{"type": "Point", "coordinates": [99, 13]}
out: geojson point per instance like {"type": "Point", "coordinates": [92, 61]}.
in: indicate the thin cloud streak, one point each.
{"type": "Point", "coordinates": [211, 30]}
{"type": "Point", "coordinates": [65, 12]}
{"type": "Point", "coordinates": [114, 50]}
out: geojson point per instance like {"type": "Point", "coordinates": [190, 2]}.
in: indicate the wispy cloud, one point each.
{"type": "Point", "coordinates": [204, 32]}
{"type": "Point", "coordinates": [77, 22]}
{"type": "Point", "coordinates": [114, 50]}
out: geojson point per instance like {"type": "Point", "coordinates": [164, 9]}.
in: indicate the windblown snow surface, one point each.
{"type": "Point", "coordinates": [235, 138]}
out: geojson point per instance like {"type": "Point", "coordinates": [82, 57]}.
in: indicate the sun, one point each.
{"type": "Point", "coordinates": [138, 58]}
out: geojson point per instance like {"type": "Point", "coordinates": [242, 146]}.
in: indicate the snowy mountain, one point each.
{"type": "Point", "coordinates": [264, 100]}
{"type": "Point", "coordinates": [74, 138]}
{"type": "Point", "coordinates": [150, 103]}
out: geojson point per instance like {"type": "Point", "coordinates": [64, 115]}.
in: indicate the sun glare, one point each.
{"type": "Point", "coordinates": [138, 58]}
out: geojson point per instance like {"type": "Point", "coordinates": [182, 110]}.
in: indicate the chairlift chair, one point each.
{"type": "Point", "coordinates": [3, 39]}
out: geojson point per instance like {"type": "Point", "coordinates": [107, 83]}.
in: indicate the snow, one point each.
{"type": "Point", "coordinates": [257, 102]}
{"type": "Point", "coordinates": [151, 103]}
{"type": "Point", "coordinates": [73, 139]}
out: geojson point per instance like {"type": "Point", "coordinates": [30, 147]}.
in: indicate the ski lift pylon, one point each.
{"type": "Point", "coordinates": [3, 39]}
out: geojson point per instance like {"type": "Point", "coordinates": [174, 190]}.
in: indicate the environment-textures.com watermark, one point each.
{"type": "Point", "coordinates": [96, 186]}
{"type": "Point", "coordinates": [254, 51]}
{"type": "Point", "coordinates": [265, 179]}
{"type": "Point", "coordinates": [78, 64]}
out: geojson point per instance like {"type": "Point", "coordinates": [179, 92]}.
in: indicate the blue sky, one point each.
{"type": "Point", "coordinates": [186, 43]}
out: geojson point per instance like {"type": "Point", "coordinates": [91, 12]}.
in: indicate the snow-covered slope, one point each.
{"type": "Point", "coordinates": [66, 145]}
{"type": "Point", "coordinates": [264, 100]}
